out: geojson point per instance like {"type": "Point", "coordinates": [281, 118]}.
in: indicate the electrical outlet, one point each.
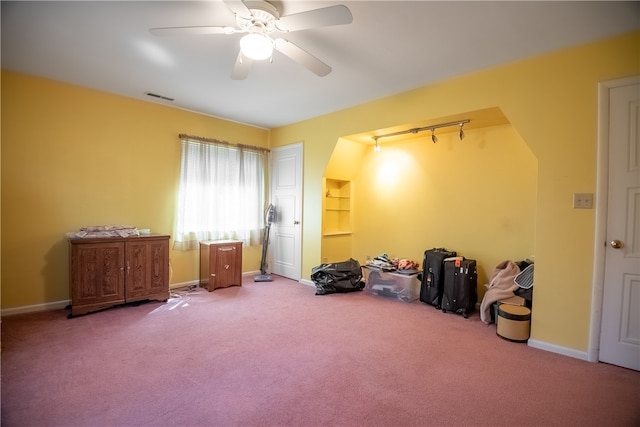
{"type": "Point", "coordinates": [582, 200]}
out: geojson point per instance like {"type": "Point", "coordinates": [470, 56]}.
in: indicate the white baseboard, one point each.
{"type": "Point", "coordinates": [57, 305]}
{"type": "Point", "coordinates": [565, 351]}
{"type": "Point", "coordinates": [250, 273]}
{"type": "Point", "coordinates": [184, 284]}
{"type": "Point", "coordinates": [307, 282]}
{"type": "Point", "coordinates": [197, 282]}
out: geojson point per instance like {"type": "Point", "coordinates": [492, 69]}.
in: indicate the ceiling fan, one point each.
{"type": "Point", "coordinates": [259, 20]}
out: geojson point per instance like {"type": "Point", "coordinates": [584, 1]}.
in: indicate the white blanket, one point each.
{"type": "Point", "coordinates": [500, 286]}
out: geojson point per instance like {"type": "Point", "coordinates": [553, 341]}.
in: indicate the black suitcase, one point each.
{"type": "Point", "coordinates": [432, 278]}
{"type": "Point", "coordinates": [460, 289]}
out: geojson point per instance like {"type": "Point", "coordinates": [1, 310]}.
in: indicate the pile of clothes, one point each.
{"type": "Point", "coordinates": [105, 231]}
{"type": "Point", "coordinates": [401, 265]}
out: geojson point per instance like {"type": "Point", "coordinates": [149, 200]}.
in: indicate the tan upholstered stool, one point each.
{"type": "Point", "coordinates": [514, 322]}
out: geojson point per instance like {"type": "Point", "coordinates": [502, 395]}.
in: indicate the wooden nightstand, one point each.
{"type": "Point", "coordinates": [220, 264]}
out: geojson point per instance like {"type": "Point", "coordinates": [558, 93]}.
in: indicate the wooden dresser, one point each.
{"type": "Point", "coordinates": [108, 271]}
{"type": "Point", "coordinates": [220, 264]}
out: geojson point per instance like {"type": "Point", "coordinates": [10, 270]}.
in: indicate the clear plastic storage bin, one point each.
{"type": "Point", "coordinates": [405, 287]}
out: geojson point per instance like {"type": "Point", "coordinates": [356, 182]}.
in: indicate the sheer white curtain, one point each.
{"type": "Point", "coordinates": [221, 193]}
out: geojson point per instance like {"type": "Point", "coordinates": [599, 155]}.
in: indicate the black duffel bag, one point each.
{"type": "Point", "coordinates": [337, 277]}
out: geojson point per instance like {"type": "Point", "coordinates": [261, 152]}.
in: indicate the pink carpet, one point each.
{"type": "Point", "coordinates": [275, 354]}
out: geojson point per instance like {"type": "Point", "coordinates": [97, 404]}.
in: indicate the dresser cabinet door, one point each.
{"type": "Point", "coordinates": [97, 275]}
{"type": "Point", "coordinates": [147, 269]}
{"type": "Point", "coordinates": [228, 265]}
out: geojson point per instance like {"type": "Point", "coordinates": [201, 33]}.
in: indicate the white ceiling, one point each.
{"type": "Point", "coordinates": [390, 47]}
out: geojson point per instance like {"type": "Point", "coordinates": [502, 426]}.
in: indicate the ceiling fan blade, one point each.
{"type": "Point", "coordinates": [239, 8]}
{"type": "Point", "coordinates": [241, 67]}
{"type": "Point", "coordinates": [302, 56]}
{"type": "Point", "coordinates": [190, 31]}
{"type": "Point", "coordinates": [324, 17]}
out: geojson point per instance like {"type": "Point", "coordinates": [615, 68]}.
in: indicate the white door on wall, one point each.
{"type": "Point", "coordinates": [286, 195]}
{"type": "Point", "coordinates": [620, 325]}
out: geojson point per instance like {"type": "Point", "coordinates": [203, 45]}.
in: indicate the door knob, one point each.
{"type": "Point", "coordinates": [296, 222]}
{"type": "Point", "coordinates": [616, 244]}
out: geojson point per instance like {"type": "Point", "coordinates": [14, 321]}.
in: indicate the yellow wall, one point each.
{"type": "Point", "coordinates": [73, 157]}
{"type": "Point", "coordinates": [551, 101]}
{"type": "Point", "coordinates": [476, 196]}
{"type": "Point", "coordinates": [343, 165]}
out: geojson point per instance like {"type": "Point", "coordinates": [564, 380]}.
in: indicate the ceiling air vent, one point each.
{"type": "Point", "coordinates": [155, 95]}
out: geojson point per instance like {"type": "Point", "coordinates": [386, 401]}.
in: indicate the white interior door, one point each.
{"type": "Point", "coordinates": [286, 195]}
{"type": "Point", "coordinates": [620, 327]}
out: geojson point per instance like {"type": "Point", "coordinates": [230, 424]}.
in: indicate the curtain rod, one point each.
{"type": "Point", "coordinates": [184, 136]}
{"type": "Point", "coordinates": [422, 129]}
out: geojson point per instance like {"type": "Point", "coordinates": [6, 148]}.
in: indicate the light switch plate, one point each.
{"type": "Point", "coordinates": [582, 200]}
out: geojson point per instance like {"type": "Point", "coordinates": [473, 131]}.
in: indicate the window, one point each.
{"type": "Point", "coordinates": [221, 194]}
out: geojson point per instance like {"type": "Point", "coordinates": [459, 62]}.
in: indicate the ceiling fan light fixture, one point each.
{"type": "Point", "coordinates": [256, 46]}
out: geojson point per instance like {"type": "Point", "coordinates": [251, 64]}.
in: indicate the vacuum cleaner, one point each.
{"type": "Point", "coordinates": [269, 218]}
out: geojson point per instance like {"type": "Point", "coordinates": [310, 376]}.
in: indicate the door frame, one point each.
{"type": "Point", "coordinates": [601, 208]}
